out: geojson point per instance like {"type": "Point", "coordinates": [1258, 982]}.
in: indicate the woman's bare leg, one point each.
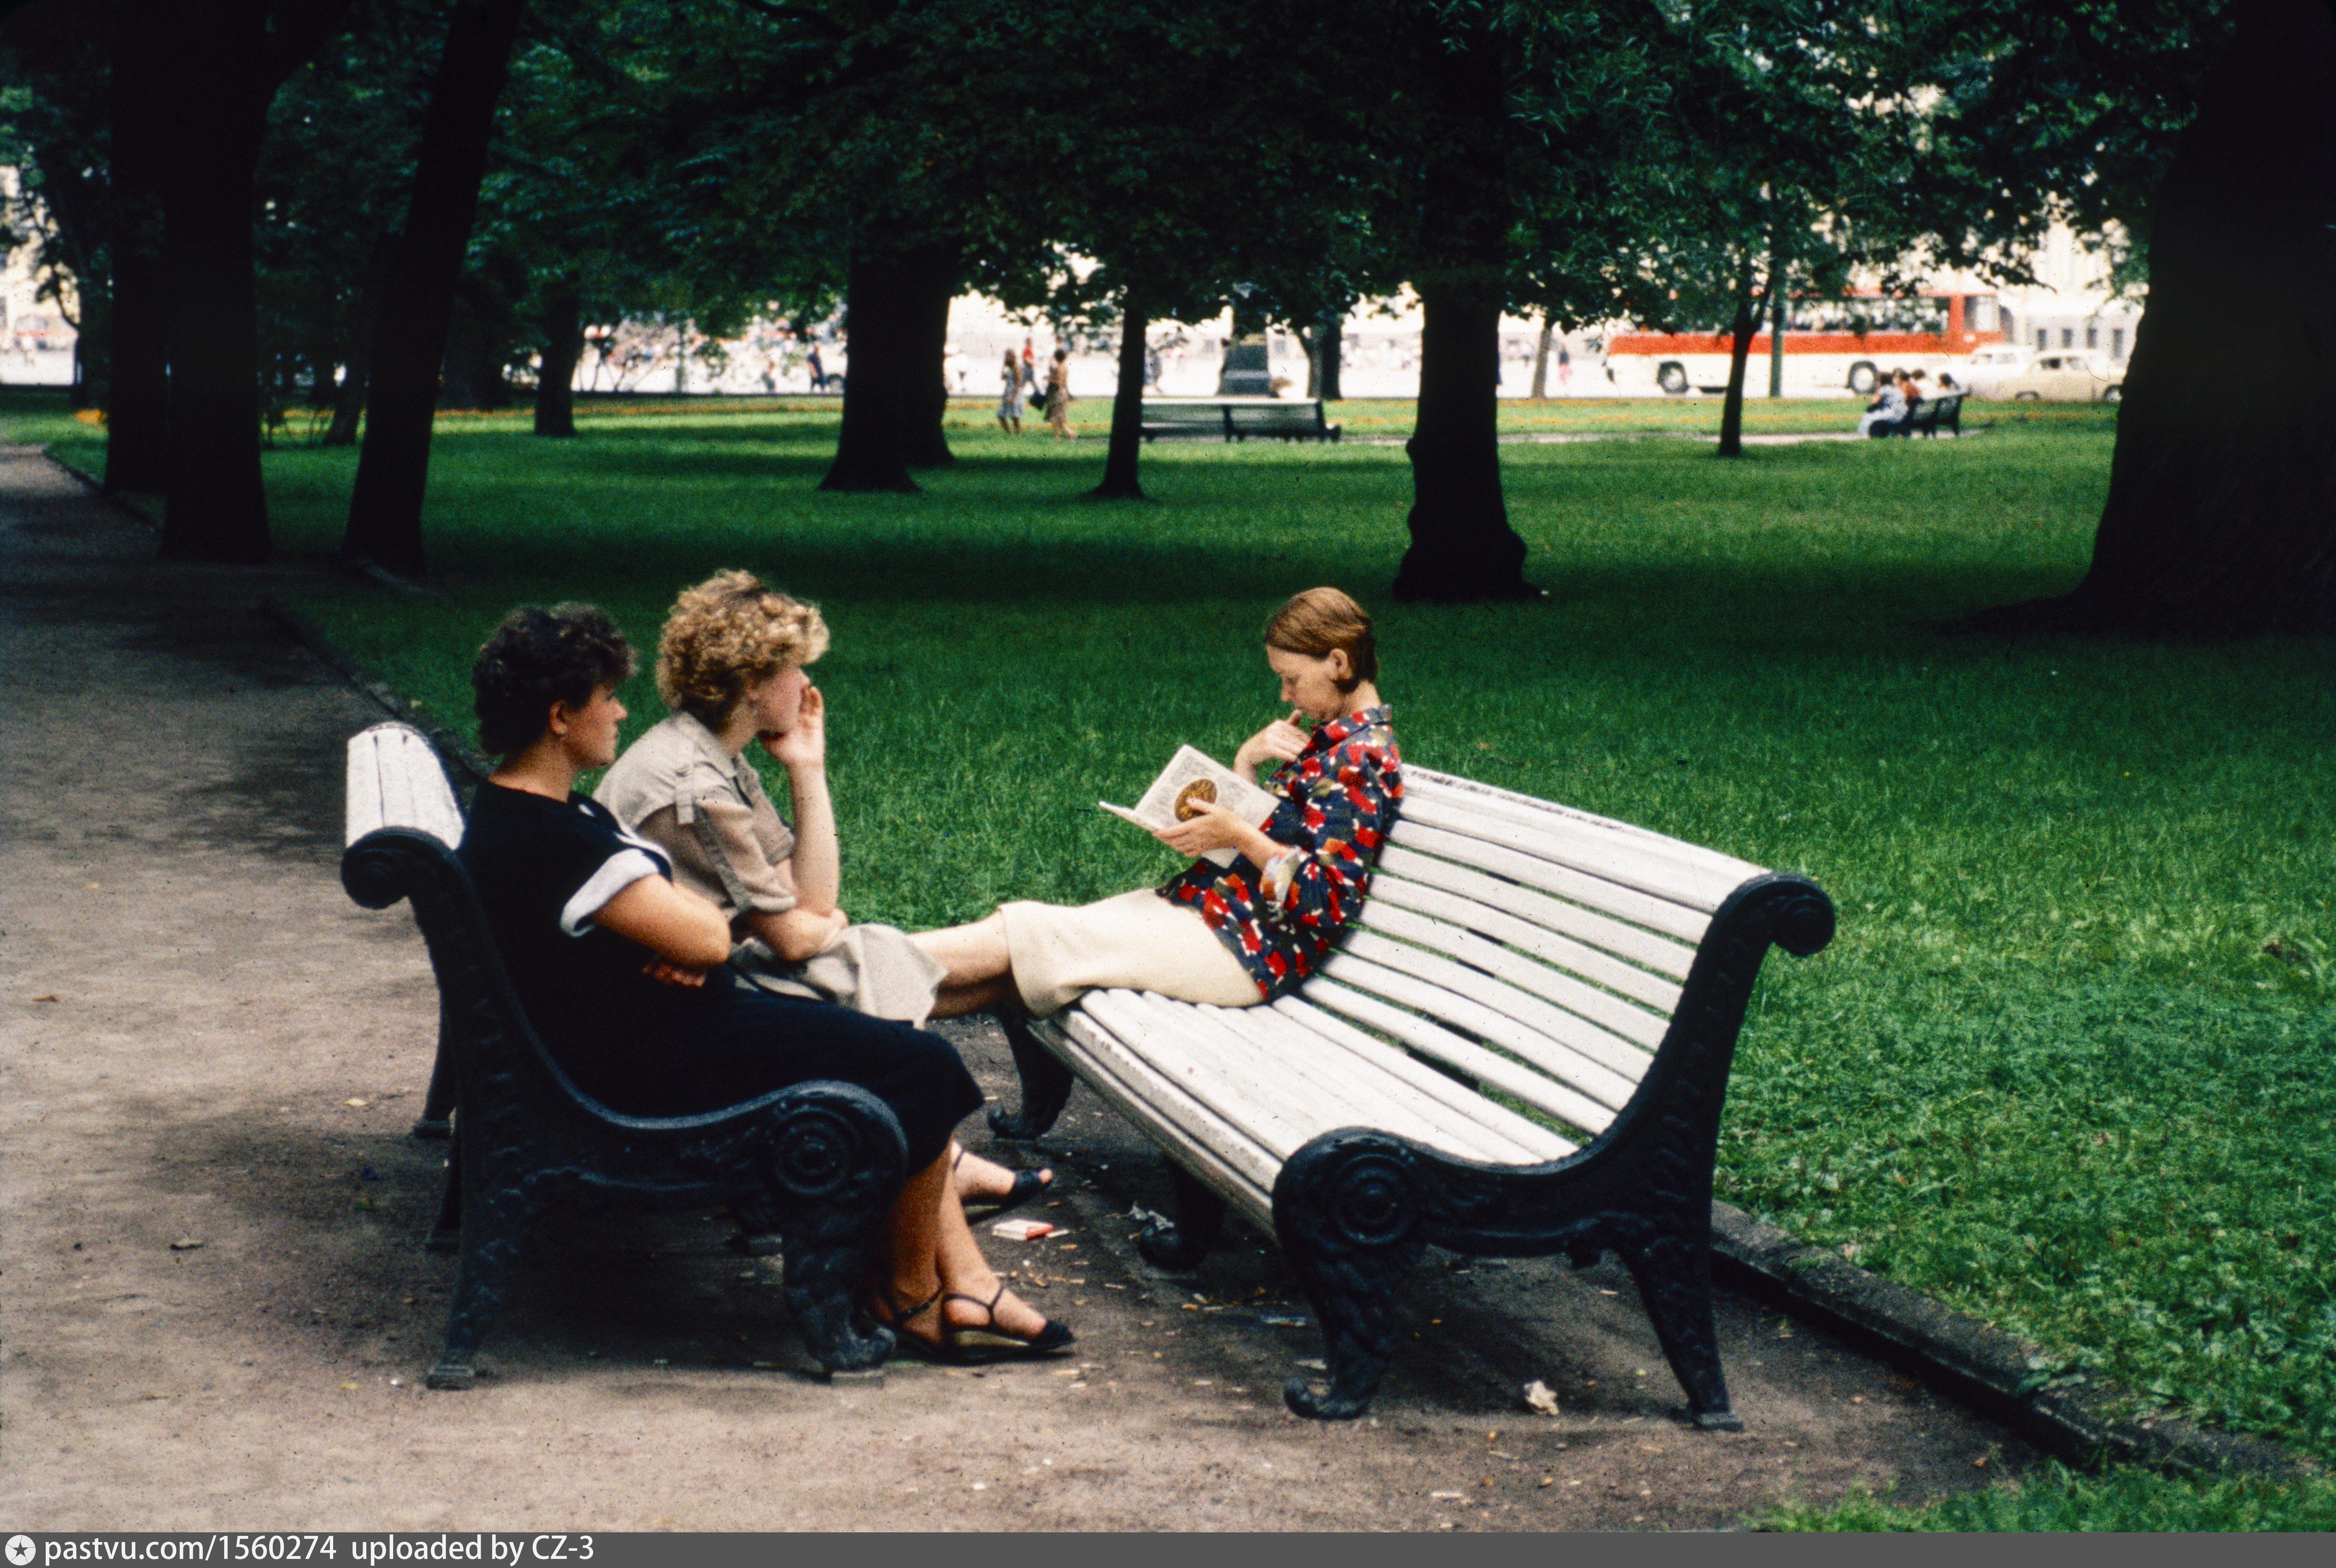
{"type": "Point", "coordinates": [929, 1248]}
{"type": "Point", "coordinates": [980, 1180]}
{"type": "Point", "coordinates": [969, 955]}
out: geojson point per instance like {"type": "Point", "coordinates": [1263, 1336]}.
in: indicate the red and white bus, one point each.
{"type": "Point", "coordinates": [1831, 345]}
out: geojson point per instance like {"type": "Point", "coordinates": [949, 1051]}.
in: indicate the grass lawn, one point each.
{"type": "Point", "coordinates": [2065, 1066]}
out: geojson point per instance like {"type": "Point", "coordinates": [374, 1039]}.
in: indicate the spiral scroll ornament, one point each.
{"type": "Point", "coordinates": [1374, 1202]}
{"type": "Point", "coordinates": [815, 1152]}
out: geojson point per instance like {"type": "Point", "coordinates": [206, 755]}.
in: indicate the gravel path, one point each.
{"type": "Point", "coordinates": [217, 1313]}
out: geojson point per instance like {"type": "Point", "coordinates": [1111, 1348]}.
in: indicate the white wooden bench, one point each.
{"type": "Point", "coordinates": [1521, 1049]}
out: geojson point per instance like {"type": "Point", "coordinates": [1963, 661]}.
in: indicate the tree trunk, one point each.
{"type": "Point", "coordinates": [1461, 546]}
{"type": "Point", "coordinates": [215, 505]}
{"type": "Point", "coordinates": [1541, 360]}
{"type": "Point", "coordinates": [410, 338]}
{"type": "Point", "coordinates": [1739, 353]}
{"type": "Point", "coordinates": [473, 374]}
{"type": "Point", "coordinates": [349, 398]}
{"type": "Point", "coordinates": [927, 441]}
{"type": "Point", "coordinates": [1119, 464]}
{"type": "Point", "coordinates": [892, 391]}
{"type": "Point", "coordinates": [2221, 516]}
{"type": "Point", "coordinates": [563, 346]}
{"type": "Point", "coordinates": [144, 104]}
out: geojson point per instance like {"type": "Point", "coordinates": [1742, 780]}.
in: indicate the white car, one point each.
{"type": "Point", "coordinates": [1991, 364]}
{"type": "Point", "coordinates": [2065, 377]}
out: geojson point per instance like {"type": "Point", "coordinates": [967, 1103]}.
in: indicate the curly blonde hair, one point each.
{"type": "Point", "coordinates": [727, 634]}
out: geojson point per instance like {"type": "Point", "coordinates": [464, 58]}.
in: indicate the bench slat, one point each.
{"type": "Point", "coordinates": [1285, 1093]}
{"type": "Point", "coordinates": [1532, 1141]}
{"type": "Point", "coordinates": [1469, 914]}
{"type": "Point", "coordinates": [1441, 1126]}
{"type": "Point", "coordinates": [1609, 1013]}
{"type": "Point", "coordinates": [1609, 935]}
{"type": "Point", "coordinates": [1601, 856]}
{"type": "Point", "coordinates": [1552, 817]}
{"type": "Point", "coordinates": [1395, 975]}
{"type": "Point", "coordinates": [1594, 892]}
{"type": "Point", "coordinates": [395, 779]}
{"type": "Point", "coordinates": [1166, 1113]}
{"type": "Point", "coordinates": [1430, 1040]}
{"type": "Point", "coordinates": [1264, 1110]}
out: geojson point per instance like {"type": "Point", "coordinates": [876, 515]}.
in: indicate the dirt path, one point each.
{"type": "Point", "coordinates": [214, 1311]}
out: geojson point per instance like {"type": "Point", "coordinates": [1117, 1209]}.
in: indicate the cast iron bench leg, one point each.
{"type": "Point", "coordinates": [1046, 1082]}
{"type": "Point", "coordinates": [1675, 1283]}
{"type": "Point", "coordinates": [492, 1241]}
{"type": "Point", "coordinates": [1348, 1208]}
{"type": "Point", "coordinates": [446, 1235]}
{"type": "Point", "coordinates": [1183, 1242]}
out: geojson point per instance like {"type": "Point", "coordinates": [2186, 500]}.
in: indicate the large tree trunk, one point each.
{"type": "Point", "coordinates": [215, 503]}
{"type": "Point", "coordinates": [2221, 516]}
{"type": "Point", "coordinates": [143, 111]}
{"type": "Point", "coordinates": [1461, 546]}
{"type": "Point", "coordinates": [1739, 354]}
{"type": "Point", "coordinates": [555, 380]}
{"type": "Point", "coordinates": [927, 441]}
{"type": "Point", "coordinates": [357, 376]}
{"type": "Point", "coordinates": [410, 338]}
{"type": "Point", "coordinates": [1119, 463]}
{"type": "Point", "coordinates": [893, 395]}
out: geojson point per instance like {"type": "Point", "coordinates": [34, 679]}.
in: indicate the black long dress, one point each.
{"type": "Point", "coordinates": [543, 868]}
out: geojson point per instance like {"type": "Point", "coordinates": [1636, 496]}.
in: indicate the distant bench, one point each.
{"type": "Point", "coordinates": [1519, 967]}
{"type": "Point", "coordinates": [1235, 419]}
{"type": "Point", "coordinates": [1925, 417]}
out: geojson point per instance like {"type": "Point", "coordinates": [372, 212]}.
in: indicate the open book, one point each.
{"type": "Point", "coordinates": [1191, 776]}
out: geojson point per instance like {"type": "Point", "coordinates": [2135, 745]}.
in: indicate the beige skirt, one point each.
{"type": "Point", "coordinates": [1138, 939]}
{"type": "Point", "coordinates": [870, 968]}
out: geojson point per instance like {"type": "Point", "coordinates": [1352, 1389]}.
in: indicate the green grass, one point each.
{"type": "Point", "coordinates": [2060, 1500]}
{"type": "Point", "coordinates": [2065, 1066]}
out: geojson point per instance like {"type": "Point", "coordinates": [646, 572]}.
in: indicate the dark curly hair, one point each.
{"type": "Point", "coordinates": [539, 657]}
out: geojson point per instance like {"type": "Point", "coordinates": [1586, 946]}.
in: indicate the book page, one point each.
{"type": "Point", "coordinates": [1194, 774]}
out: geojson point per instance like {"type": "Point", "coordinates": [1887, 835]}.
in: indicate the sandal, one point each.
{"type": "Point", "coordinates": [1027, 1184]}
{"type": "Point", "coordinates": [975, 1343]}
{"type": "Point", "coordinates": [882, 1309]}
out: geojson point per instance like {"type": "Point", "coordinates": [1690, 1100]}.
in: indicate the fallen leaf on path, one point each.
{"type": "Point", "coordinates": [45, 998]}
{"type": "Point", "coordinates": [186, 1244]}
{"type": "Point", "coordinates": [359, 1104]}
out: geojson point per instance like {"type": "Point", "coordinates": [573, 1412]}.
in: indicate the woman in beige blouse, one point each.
{"type": "Point", "coordinates": [730, 665]}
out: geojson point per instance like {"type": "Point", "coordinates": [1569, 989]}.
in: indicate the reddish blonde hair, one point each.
{"type": "Point", "coordinates": [1323, 618]}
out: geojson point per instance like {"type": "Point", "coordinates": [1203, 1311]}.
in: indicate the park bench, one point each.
{"type": "Point", "coordinates": [1519, 967]}
{"type": "Point", "coordinates": [1925, 417]}
{"type": "Point", "coordinates": [1236, 419]}
{"type": "Point", "coordinates": [818, 1164]}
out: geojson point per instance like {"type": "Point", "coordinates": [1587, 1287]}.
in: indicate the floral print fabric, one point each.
{"type": "Point", "coordinates": [1338, 798]}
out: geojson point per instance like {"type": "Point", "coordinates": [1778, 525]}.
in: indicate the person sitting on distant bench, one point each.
{"type": "Point", "coordinates": [1889, 409]}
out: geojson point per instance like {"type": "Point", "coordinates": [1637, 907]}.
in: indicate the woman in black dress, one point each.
{"type": "Point", "coordinates": [623, 974]}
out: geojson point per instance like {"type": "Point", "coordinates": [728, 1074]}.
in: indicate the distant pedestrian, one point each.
{"type": "Point", "coordinates": [1009, 406]}
{"type": "Point", "coordinates": [1058, 396]}
{"type": "Point", "coordinates": [818, 373]}
{"type": "Point", "coordinates": [1564, 369]}
{"type": "Point", "coordinates": [1029, 367]}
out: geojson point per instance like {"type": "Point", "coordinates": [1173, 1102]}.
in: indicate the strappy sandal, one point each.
{"type": "Point", "coordinates": [1027, 1184]}
{"type": "Point", "coordinates": [975, 1343]}
{"type": "Point", "coordinates": [882, 1310]}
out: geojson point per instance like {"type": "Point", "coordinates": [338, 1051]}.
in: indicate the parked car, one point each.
{"type": "Point", "coordinates": [1991, 364]}
{"type": "Point", "coordinates": [2066, 377]}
